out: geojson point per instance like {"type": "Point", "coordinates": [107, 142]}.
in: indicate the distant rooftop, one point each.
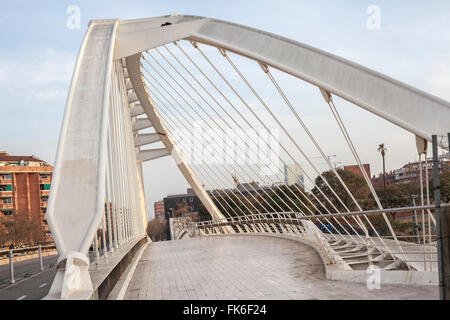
{"type": "Point", "coordinates": [189, 192]}
{"type": "Point", "coordinates": [6, 157]}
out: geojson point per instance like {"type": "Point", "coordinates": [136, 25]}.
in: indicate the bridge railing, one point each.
{"type": "Point", "coordinates": [414, 249]}
{"type": "Point", "coordinates": [25, 253]}
{"type": "Point", "coordinates": [27, 250]}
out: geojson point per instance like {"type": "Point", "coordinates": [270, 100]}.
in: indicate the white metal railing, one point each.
{"type": "Point", "coordinates": [413, 251]}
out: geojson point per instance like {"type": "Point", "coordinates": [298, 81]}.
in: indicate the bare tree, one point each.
{"type": "Point", "coordinates": [156, 230]}
{"type": "Point", "coordinates": [3, 235]}
{"type": "Point", "coordinates": [37, 232]}
{"type": "Point", "coordinates": [25, 230]}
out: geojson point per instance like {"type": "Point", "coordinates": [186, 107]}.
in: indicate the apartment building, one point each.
{"type": "Point", "coordinates": [24, 188]}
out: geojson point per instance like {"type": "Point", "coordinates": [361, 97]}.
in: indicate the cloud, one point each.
{"type": "Point", "coordinates": [49, 95]}
{"type": "Point", "coordinates": [3, 75]}
{"type": "Point", "coordinates": [42, 77]}
{"type": "Point", "coordinates": [430, 28]}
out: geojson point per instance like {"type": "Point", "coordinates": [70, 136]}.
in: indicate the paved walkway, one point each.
{"type": "Point", "coordinates": [247, 267]}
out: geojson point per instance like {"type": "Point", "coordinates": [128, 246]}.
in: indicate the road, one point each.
{"type": "Point", "coordinates": [31, 283]}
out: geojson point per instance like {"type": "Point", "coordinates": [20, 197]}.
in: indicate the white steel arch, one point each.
{"type": "Point", "coordinates": [410, 108]}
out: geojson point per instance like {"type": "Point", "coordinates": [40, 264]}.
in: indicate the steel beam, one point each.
{"type": "Point", "coordinates": [147, 155]}
{"type": "Point", "coordinates": [141, 124]}
{"type": "Point", "coordinates": [136, 110]}
{"type": "Point", "coordinates": [146, 138]}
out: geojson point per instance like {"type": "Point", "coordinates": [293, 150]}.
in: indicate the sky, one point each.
{"type": "Point", "coordinates": [38, 53]}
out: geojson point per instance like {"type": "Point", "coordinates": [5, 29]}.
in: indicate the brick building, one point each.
{"type": "Point", "coordinates": [410, 172]}
{"type": "Point", "coordinates": [356, 169]}
{"type": "Point", "coordinates": [24, 187]}
{"type": "Point", "coordinates": [182, 205]}
{"type": "Point", "coordinates": [159, 211]}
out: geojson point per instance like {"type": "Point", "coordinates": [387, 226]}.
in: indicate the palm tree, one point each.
{"type": "Point", "coordinates": [382, 149]}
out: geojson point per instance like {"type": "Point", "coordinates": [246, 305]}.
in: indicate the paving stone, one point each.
{"type": "Point", "coordinates": [250, 267]}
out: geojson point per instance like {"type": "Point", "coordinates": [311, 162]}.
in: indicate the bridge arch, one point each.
{"type": "Point", "coordinates": [108, 94]}
{"type": "Point", "coordinates": [412, 109]}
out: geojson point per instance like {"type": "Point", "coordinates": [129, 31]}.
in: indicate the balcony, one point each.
{"type": "Point", "coordinates": [5, 181]}
{"type": "Point", "coordinates": [45, 180]}
{"type": "Point", "coordinates": [44, 204]}
{"type": "Point", "coordinates": [45, 192]}
{"type": "Point", "coordinates": [6, 205]}
{"type": "Point", "coordinates": [5, 193]}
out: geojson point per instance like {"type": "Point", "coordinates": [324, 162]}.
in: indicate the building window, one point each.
{"type": "Point", "coordinates": [45, 186]}
{"type": "Point", "coordinates": [7, 212]}
{"type": "Point", "coordinates": [6, 187]}
{"type": "Point", "coordinates": [7, 200]}
{"type": "Point", "coordinates": [6, 176]}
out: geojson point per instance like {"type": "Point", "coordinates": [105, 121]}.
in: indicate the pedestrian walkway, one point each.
{"type": "Point", "coordinates": [247, 267]}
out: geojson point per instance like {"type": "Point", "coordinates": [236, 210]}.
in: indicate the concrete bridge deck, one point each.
{"type": "Point", "coordinates": [247, 267]}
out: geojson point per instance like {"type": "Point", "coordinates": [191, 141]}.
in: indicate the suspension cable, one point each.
{"type": "Point", "coordinates": [185, 118]}
{"type": "Point", "coordinates": [282, 127]}
{"type": "Point", "coordinates": [212, 119]}
{"type": "Point", "coordinates": [281, 92]}
{"type": "Point", "coordinates": [264, 125]}
{"type": "Point", "coordinates": [348, 139]}
{"type": "Point", "coordinates": [187, 121]}
{"type": "Point", "coordinates": [214, 109]}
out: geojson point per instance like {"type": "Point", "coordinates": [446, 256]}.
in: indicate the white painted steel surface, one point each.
{"type": "Point", "coordinates": [76, 201]}
{"type": "Point", "coordinates": [93, 142]}
{"type": "Point", "coordinates": [412, 109]}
